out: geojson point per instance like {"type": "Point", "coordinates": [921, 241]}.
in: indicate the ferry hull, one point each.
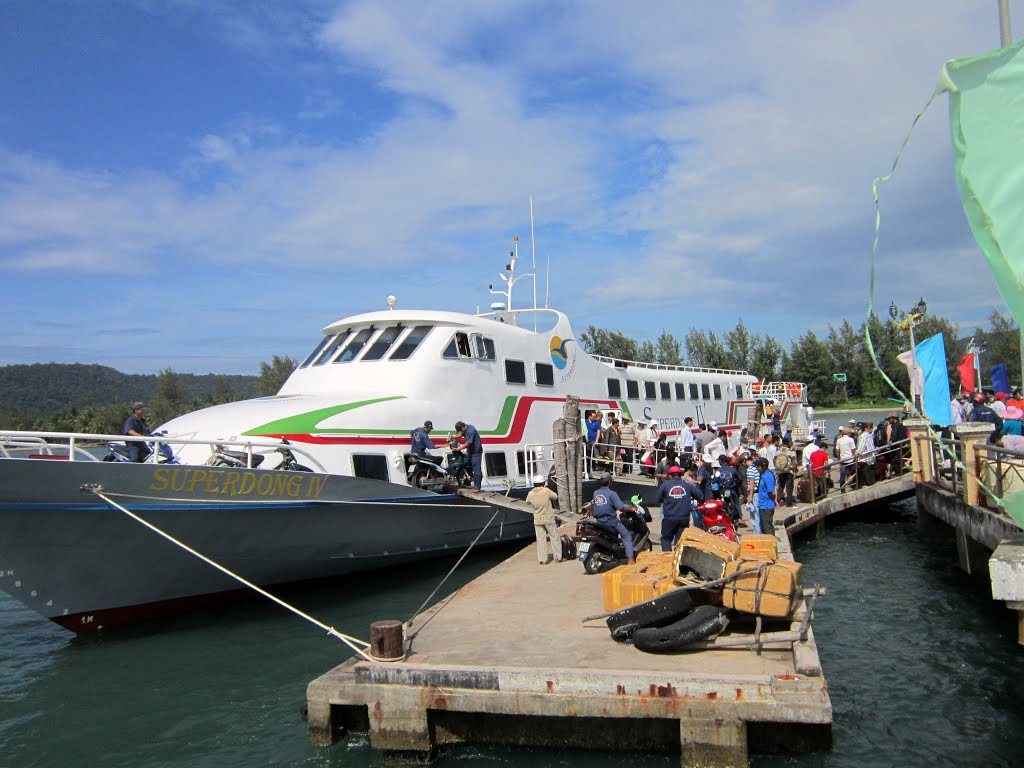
{"type": "Point", "coordinates": [72, 557]}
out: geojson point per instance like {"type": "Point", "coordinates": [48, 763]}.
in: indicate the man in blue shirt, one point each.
{"type": "Point", "coordinates": [421, 442]}
{"type": "Point", "coordinates": [469, 441]}
{"type": "Point", "coordinates": [606, 504]}
{"type": "Point", "coordinates": [675, 496]}
{"type": "Point", "coordinates": [766, 499]}
{"type": "Point", "coordinates": [136, 425]}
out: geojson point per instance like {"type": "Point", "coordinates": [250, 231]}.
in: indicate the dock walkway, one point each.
{"type": "Point", "coordinates": [506, 659]}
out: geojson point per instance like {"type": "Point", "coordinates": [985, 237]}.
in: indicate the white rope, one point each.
{"type": "Point", "coordinates": [351, 642]}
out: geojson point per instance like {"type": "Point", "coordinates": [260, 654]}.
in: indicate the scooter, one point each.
{"type": "Point", "coordinates": [222, 457]}
{"type": "Point", "coordinates": [600, 548]}
{"type": "Point", "coordinates": [439, 475]}
{"type": "Point", "coordinates": [119, 452]}
{"type": "Point", "coordinates": [716, 519]}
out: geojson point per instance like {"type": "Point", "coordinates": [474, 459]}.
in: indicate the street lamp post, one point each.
{"type": "Point", "coordinates": [906, 323]}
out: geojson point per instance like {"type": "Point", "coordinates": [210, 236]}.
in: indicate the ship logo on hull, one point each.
{"type": "Point", "coordinates": [559, 354]}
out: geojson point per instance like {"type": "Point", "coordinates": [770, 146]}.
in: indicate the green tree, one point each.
{"type": "Point", "coordinates": [766, 356]}
{"type": "Point", "coordinates": [221, 391]}
{"type": "Point", "coordinates": [169, 388]}
{"type": "Point", "coordinates": [740, 345]}
{"type": "Point", "coordinates": [670, 351]}
{"type": "Point", "coordinates": [1001, 344]}
{"type": "Point", "coordinates": [599, 341]}
{"type": "Point", "coordinates": [705, 350]}
{"type": "Point", "coordinates": [273, 374]}
{"type": "Point", "coordinates": [808, 361]}
{"type": "Point", "coordinates": [646, 353]}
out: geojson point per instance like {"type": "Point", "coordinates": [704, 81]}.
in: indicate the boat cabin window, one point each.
{"type": "Point", "coordinates": [739, 391]}
{"type": "Point", "coordinates": [649, 391]}
{"type": "Point", "coordinates": [666, 391]}
{"type": "Point", "coordinates": [705, 392]}
{"type": "Point", "coordinates": [332, 349]}
{"type": "Point", "coordinates": [545, 374]}
{"type": "Point", "coordinates": [355, 346]}
{"type": "Point", "coordinates": [458, 347]}
{"type": "Point", "coordinates": [370, 465]}
{"type": "Point", "coordinates": [515, 371]}
{"type": "Point", "coordinates": [693, 392]}
{"type": "Point", "coordinates": [410, 343]}
{"type": "Point", "coordinates": [483, 346]}
{"type": "Point", "coordinates": [494, 464]}
{"type": "Point", "coordinates": [526, 463]}
{"type": "Point", "coordinates": [383, 343]}
{"type": "Point", "coordinates": [632, 390]}
{"type": "Point", "coordinates": [717, 389]}
{"type": "Point", "coordinates": [316, 351]}
{"type": "Point", "coordinates": [614, 388]}
{"type": "Point", "coordinates": [680, 391]}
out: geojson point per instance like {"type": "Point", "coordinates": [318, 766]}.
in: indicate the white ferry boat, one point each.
{"type": "Point", "coordinates": [347, 411]}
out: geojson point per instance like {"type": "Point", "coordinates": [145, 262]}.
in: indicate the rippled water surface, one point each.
{"type": "Point", "coordinates": [922, 666]}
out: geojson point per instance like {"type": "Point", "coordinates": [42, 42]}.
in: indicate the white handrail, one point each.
{"type": "Point", "coordinates": [666, 367]}
{"type": "Point", "coordinates": [38, 439]}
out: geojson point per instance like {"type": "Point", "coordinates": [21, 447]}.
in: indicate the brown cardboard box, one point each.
{"type": "Point", "coordinates": [772, 589]}
{"type": "Point", "coordinates": [757, 546]}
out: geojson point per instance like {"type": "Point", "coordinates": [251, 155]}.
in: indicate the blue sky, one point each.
{"type": "Point", "coordinates": [202, 185]}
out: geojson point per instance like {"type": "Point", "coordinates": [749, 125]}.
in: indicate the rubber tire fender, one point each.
{"type": "Point", "coordinates": [659, 612]}
{"type": "Point", "coordinates": [703, 621]}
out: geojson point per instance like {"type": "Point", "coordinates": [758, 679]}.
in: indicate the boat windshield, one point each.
{"type": "Point", "coordinates": [355, 345]}
{"type": "Point", "coordinates": [328, 353]}
{"type": "Point", "coordinates": [411, 341]}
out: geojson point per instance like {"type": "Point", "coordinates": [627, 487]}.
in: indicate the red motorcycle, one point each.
{"type": "Point", "coordinates": [716, 519]}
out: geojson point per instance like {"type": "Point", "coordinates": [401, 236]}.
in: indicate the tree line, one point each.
{"type": "Point", "coordinates": [816, 359]}
{"type": "Point", "coordinates": [57, 397]}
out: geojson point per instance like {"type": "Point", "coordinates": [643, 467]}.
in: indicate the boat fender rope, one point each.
{"type": "Point", "coordinates": [357, 645]}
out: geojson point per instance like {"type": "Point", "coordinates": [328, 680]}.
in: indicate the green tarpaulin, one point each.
{"type": "Point", "coordinates": [986, 117]}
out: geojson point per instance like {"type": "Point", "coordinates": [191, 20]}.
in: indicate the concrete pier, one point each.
{"type": "Point", "coordinates": [507, 660]}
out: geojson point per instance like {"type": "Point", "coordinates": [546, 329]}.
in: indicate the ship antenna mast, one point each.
{"type": "Point", "coordinates": [533, 248]}
{"type": "Point", "coordinates": [509, 278]}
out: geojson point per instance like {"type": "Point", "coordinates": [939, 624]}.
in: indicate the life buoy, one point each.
{"type": "Point", "coordinates": [792, 390]}
{"type": "Point", "coordinates": [756, 387]}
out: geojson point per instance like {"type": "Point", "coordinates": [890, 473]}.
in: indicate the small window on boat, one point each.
{"type": "Point", "coordinates": [705, 391]}
{"type": "Point", "coordinates": [316, 351]}
{"type": "Point", "coordinates": [614, 388]}
{"type": "Point", "coordinates": [457, 347]}
{"type": "Point", "coordinates": [370, 465]}
{"type": "Point", "coordinates": [717, 389]}
{"type": "Point", "coordinates": [739, 391]}
{"type": "Point", "coordinates": [632, 390]}
{"type": "Point", "coordinates": [332, 348]}
{"type": "Point", "coordinates": [410, 343]}
{"type": "Point", "coordinates": [494, 464]}
{"type": "Point", "coordinates": [666, 391]}
{"type": "Point", "coordinates": [545, 374]}
{"type": "Point", "coordinates": [693, 392]}
{"type": "Point", "coordinates": [526, 463]}
{"type": "Point", "coordinates": [355, 346]}
{"type": "Point", "coordinates": [680, 391]}
{"type": "Point", "coordinates": [484, 347]}
{"type": "Point", "coordinates": [383, 343]}
{"type": "Point", "coordinates": [515, 371]}
{"type": "Point", "coordinates": [649, 390]}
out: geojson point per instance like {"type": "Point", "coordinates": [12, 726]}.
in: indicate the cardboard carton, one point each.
{"type": "Point", "coordinates": [767, 589]}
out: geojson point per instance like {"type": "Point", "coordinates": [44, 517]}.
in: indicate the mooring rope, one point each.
{"type": "Point", "coordinates": [357, 645]}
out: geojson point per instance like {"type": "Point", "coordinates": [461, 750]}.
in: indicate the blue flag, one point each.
{"type": "Point", "coordinates": [931, 359]}
{"type": "Point", "coordinates": [1000, 381]}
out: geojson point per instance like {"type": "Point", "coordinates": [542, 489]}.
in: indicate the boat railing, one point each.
{"type": "Point", "coordinates": [42, 444]}
{"type": "Point", "coordinates": [617, 362]}
{"type": "Point", "coordinates": [539, 459]}
{"type": "Point", "coordinates": [776, 391]}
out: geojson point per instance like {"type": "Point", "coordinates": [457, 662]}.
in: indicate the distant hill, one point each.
{"type": "Point", "coordinates": [42, 388]}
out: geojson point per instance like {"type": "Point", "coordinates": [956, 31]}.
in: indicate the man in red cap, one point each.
{"type": "Point", "coordinates": [675, 496]}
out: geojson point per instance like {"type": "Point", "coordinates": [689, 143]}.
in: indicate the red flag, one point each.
{"type": "Point", "coordinates": [966, 369]}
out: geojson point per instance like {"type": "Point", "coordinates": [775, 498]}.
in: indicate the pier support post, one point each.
{"type": "Point", "coordinates": [972, 556]}
{"type": "Point", "coordinates": [400, 727]}
{"type": "Point", "coordinates": [713, 743]}
{"type": "Point", "coordinates": [920, 449]}
{"type": "Point", "coordinates": [972, 435]}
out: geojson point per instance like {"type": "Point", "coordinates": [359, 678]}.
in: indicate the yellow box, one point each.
{"type": "Point", "coordinates": [770, 590]}
{"type": "Point", "coordinates": [757, 546]}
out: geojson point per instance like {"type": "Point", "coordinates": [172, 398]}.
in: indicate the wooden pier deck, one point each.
{"type": "Point", "coordinates": [506, 659]}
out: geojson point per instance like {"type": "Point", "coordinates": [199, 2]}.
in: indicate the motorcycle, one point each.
{"type": "Point", "coordinates": [119, 452]}
{"type": "Point", "coordinates": [222, 457]}
{"type": "Point", "coordinates": [439, 475]}
{"type": "Point", "coordinates": [600, 548]}
{"type": "Point", "coordinates": [716, 519]}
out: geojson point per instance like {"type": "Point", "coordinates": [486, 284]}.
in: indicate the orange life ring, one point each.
{"type": "Point", "coordinates": [792, 390]}
{"type": "Point", "coordinates": [755, 388]}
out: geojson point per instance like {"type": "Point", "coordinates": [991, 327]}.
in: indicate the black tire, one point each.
{"type": "Point", "coordinates": [598, 562]}
{"type": "Point", "coordinates": [659, 612]}
{"type": "Point", "coordinates": [703, 622]}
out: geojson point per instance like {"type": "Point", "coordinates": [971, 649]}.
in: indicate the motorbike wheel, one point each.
{"type": "Point", "coordinates": [647, 547]}
{"type": "Point", "coordinates": [598, 562]}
